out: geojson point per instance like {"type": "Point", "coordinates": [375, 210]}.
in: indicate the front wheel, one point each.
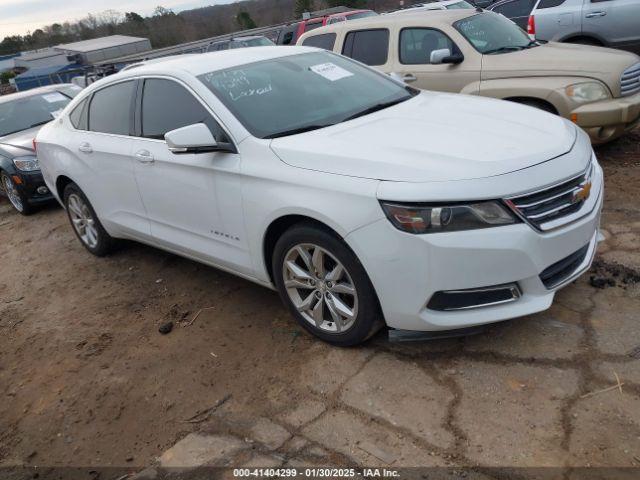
{"type": "Point", "coordinates": [325, 287]}
{"type": "Point", "coordinates": [85, 222]}
{"type": "Point", "coordinates": [16, 198]}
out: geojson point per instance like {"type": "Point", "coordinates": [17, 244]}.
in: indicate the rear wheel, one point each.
{"type": "Point", "coordinates": [16, 198]}
{"type": "Point", "coordinates": [325, 287]}
{"type": "Point", "coordinates": [85, 222]}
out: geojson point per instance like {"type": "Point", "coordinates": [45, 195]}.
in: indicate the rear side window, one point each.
{"type": "Point", "coordinates": [110, 109]}
{"type": "Point", "coordinates": [326, 41]}
{"type": "Point", "coordinates": [516, 8]}
{"type": "Point", "coordinates": [78, 116]}
{"type": "Point", "coordinates": [550, 3]}
{"type": "Point", "coordinates": [416, 45]}
{"type": "Point", "coordinates": [312, 26]}
{"type": "Point", "coordinates": [370, 47]}
{"type": "Point", "coordinates": [167, 105]}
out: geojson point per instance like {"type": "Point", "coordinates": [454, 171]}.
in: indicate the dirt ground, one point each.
{"type": "Point", "coordinates": [87, 379]}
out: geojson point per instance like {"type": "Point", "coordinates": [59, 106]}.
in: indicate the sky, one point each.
{"type": "Point", "coordinates": [17, 17]}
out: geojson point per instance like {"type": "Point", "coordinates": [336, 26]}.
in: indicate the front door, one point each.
{"type": "Point", "coordinates": [414, 65]}
{"type": "Point", "coordinates": [615, 21]}
{"type": "Point", "coordinates": [193, 201]}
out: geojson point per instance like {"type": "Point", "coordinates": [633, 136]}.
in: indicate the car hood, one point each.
{"type": "Point", "coordinates": [561, 59]}
{"type": "Point", "coordinates": [432, 137]}
{"type": "Point", "coordinates": [19, 143]}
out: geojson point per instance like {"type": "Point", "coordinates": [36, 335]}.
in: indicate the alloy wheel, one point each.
{"type": "Point", "coordinates": [320, 288]}
{"type": "Point", "coordinates": [12, 193]}
{"type": "Point", "coordinates": [82, 220]}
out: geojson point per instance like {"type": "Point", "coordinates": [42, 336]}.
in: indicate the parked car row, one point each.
{"type": "Point", "coordinates": [482, 53]}
{"type": "Point", "coordinates": [370, 203]}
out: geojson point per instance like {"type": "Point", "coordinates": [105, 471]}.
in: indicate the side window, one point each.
{"type": "Point", "coordinates": [110, 109]}
{"type": "Point", "coordinates": [78, 116]}
{"type": "Point", "coordinates": [166, 105]}
{"type": "Point", "coordinates": [370, 47]}
{"type": "Point", "coordinates": [325, 40]}
{"type": "Point", "coordinates": [550, 3]}
{"type": "Point", "coordinates": [516, 8]}
{"type": "Point", "coordinates": [416, 45]}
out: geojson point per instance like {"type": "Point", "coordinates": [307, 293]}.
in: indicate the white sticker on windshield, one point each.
{"type": "Point", "coordinates": [54, 97]}
{"type": "Point", "coordinates": [330, 71]}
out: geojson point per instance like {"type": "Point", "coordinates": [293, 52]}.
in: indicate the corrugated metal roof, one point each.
{"type": "Point", "coordinates": [100, 43]}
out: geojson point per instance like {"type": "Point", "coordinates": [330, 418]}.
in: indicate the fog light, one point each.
{"type": "Point", "coordinates": [42, 190]}
{"type": "Point", "coordinates": [474, 297]}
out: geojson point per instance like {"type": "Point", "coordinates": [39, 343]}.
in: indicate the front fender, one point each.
{"type": "Point", "coordinates": [549, 89]}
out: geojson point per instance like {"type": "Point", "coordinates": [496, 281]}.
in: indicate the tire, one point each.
{"type": "Point", "coordinates": [321, 300]}
{"type": "Point", "coordinates": [85, 222]}
{"type": "Point", "coordinates": [16, 197]}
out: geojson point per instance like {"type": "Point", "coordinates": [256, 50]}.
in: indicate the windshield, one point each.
{"type": "Point", "coordinates": [458, 5]}
{"type": "Point", "coordinates": [355, 16]}
{"type": "Point", "coordinates": [254, 42]}
{"type": "Point", "coordinates": [296, 93]}
{"type": "Point", "coordinates": [490, 33]}
{"type": "Point", "coordinates": [29, 112]}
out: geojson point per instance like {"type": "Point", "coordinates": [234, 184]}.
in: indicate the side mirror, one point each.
{"type": "Point", "coordinates": [196, 138]}
{"type": "Point", "coordinates": [444, 56]}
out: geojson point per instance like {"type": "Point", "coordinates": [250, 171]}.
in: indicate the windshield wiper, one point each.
{"type": "Point", "coordinates": [375, 108]}
{"type": "Point", "coordinates": [532, 43]}
{"type": "Point", "coordinates": [37, 124]}
{"type": "Point", "coordinates": [294, 131]}
{"type": "Point", "coordinates": [510, 48]}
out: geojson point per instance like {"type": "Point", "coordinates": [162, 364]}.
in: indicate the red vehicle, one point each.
{"type": "Point", "coordinates": [290, 33]}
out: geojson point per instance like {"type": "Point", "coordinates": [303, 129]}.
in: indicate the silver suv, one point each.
{"type": "Point", "coordinates": [609, 23]}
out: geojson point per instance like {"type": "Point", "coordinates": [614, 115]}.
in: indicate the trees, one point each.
{"type": "Point", "coordinates": [244, 20]}
{"type": "Point", "coordinates": [303, 6]}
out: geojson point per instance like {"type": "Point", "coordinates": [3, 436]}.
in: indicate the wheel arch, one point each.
{"type": "Point", "coordinates": [533, 100]}
{"type": "Point", "coordinates": [61, 183]}
{"type": "Point", "coordinates": [280, 225]}
{"type": "Point", "coordinates": [572, 38]}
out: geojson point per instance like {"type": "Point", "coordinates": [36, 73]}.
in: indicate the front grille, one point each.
{"type": "Point", "coordinates": [560, 271]}
{"type": "Point", "coordinates": [554, 202]}
{"type": "Point", "coordinates": [630, 81]}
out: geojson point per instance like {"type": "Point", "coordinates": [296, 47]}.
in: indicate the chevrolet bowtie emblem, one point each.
{"type": "Point", "coordinates": [582, 194]}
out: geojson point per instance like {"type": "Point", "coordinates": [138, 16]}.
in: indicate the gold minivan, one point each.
{"type": "Point", "coordinates": [483, 53]}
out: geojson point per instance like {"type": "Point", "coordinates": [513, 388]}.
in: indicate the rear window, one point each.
{"type": "Point", "coordinates": [550, 3]}
{"type": "Point", "coordinates": [326, 41]}
{"type": "Point", "coordinates": [459, 5]}
{"type": "Point", "coordinates": [370, 47]}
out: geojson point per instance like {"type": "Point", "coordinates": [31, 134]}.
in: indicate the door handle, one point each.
{"type": "Point", "coordinates": [85, 147]}
{"type": "Point", "coordinates": [144, 156]}
{"type": "Point", "coordinates": [409, 77]}
{"type": "Point", "coordinates": [596, 14]}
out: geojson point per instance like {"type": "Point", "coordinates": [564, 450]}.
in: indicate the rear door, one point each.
{"type": "Point", "coordinates": [193, 201]}
{"type": "Point", "coordinates": [617, 22]}
{"type": "Point", "coordinates": [103, 142]}
{"type": "Point", "coordinates": [370, 47]}
{"type": "Point", "coordinates": [413, 62]}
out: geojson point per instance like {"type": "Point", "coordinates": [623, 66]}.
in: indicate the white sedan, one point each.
{"type": "Point", "coordinates": [363, 201]}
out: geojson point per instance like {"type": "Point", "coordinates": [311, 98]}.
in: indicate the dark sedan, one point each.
{"type": "Point", "coordinates": [21, 116]}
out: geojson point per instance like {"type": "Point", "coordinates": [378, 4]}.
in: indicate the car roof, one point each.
{"type": "Point", "coordinates": [417, 18]}
{"type": "Point", "coordinates": [213, 61]}
{"type": "Point", "coordinates": [34, 91]}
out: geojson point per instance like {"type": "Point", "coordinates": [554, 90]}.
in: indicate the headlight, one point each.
{"type": "Point", "coordinates": [587, 92]}
{"type": "Point", "coordinates": [26, 164]}
{"type": "Point", "coordinates": [447, 218]}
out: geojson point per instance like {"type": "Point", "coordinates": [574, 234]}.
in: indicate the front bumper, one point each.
{"type": "Point", "coordinates": [32, 186]}
{"type": "Point", "coordinates": [608, 119]}
{"type": "Point", "coordinates": [407, 270]}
